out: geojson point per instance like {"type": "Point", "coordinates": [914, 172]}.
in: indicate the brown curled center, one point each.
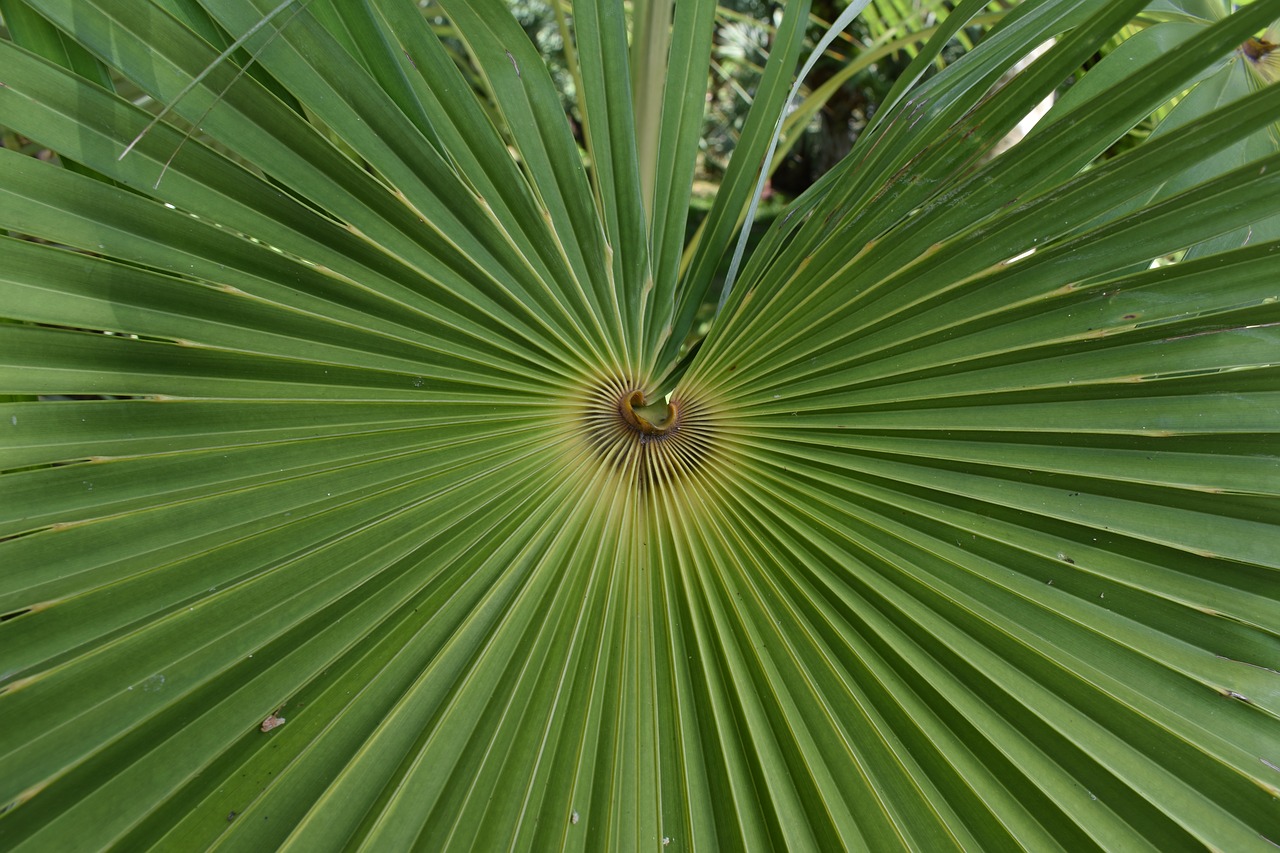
{"type": "Point", "coordinates": [648, 420]}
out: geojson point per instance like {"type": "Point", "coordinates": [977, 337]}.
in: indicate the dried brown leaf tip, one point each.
{"type": "Point", "coordinates": [271, 722]}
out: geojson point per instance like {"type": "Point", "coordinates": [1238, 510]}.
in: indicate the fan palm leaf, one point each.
{"type": "Point", "coordinates": [387, 500]}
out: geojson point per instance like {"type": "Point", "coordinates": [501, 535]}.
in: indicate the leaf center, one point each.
{"type": "Point", "coordinates": [652, 419]}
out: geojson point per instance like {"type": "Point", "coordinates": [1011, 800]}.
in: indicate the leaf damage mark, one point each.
{"type": "Point", "coordinates": [514, 64]}
{"type": "Point", "coordinates": [1227, 693]}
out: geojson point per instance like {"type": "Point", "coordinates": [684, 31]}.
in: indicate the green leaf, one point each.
{"type": "Point", "coordinates": [343, 511]}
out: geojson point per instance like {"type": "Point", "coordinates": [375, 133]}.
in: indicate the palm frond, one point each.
{"type": "Point", "coordinates": [344, 509]}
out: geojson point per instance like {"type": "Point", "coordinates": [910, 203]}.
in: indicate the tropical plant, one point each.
{"type": "Point", "coordinates": [392, 502]}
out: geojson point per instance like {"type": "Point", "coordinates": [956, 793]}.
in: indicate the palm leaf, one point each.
{"type": "Point", "coordinates": [350, 514]}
